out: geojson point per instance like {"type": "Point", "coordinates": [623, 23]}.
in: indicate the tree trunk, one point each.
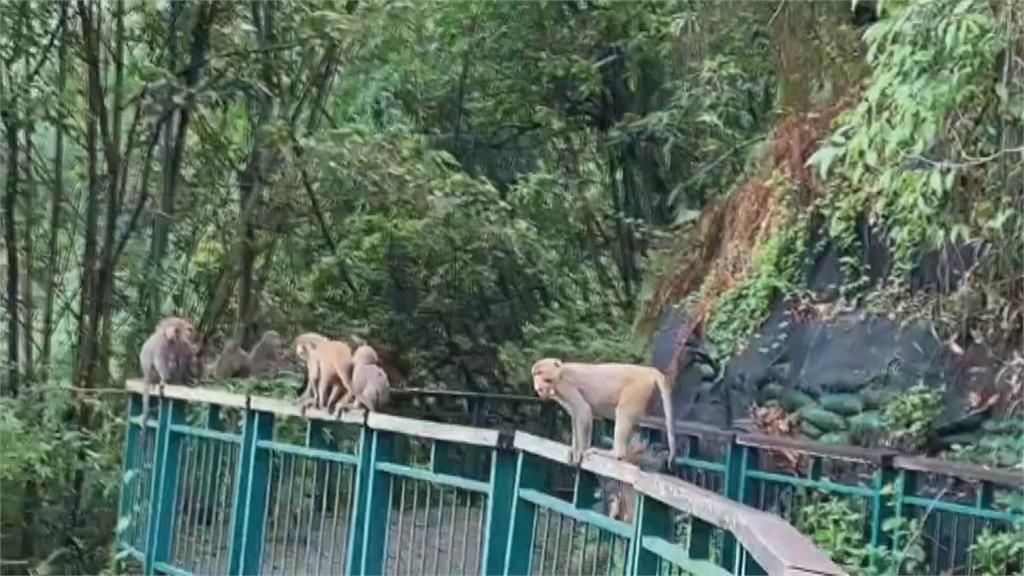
{"type": "Point", "coordinates": [11, 239]}
{"type": "Point", "coordinates": [56, 193]}
{"type": "Point", "coordinates": [28, 201]}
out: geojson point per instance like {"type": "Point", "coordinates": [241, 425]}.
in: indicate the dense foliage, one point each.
{"type": "Point", "coordinates": [467, 185]}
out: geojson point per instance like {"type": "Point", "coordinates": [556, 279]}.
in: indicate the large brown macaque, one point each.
{"type": "Point", "coordinates": [367, 384]}
{"type": "Point", "coordinates": [169, 356]}
{"type": "Point", "coordinates": [614, 391]}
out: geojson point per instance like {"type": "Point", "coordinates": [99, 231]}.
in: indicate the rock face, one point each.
{"type": "Point", "coordinates": [838, 373]}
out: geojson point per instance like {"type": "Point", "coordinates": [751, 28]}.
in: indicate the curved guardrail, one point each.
{"type": "Point", "coordinates": [231, 484]}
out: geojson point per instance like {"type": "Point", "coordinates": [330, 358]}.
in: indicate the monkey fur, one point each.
{"type": "Point", "coordinates": [614, 391]}
{"type": "Point", "coordinates": [169, 356]}
{"type": "Point", "coordinates": [325, 363]}
{"type": "Point", "coordinates": [262, 362]}
{"type": "Point", "coordinates": [265, 357]}
{"type": "Point", "coordinates": [302, 346]}
{"type": "Point", "coordinates": [366, 381]}
{"type": "Point", "coordinates": [233, 361]}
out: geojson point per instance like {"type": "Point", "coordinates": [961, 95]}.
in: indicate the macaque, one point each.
{"type": "Point", "coordinates": [233, 362]}
{"type": "Point", "coordinates": [266, 355]}
{"type": "Point", "coordinates": [615, 391]}
{"type": "Point", "coordinates": [325, 363]}
{"type": "Point", "coordinates": [303, 345]}
{"type": "Point", "coordinates": [366, 381]}
{"type": "Point", "coordinates": [168, 356]}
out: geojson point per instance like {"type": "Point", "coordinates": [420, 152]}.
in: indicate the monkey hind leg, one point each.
{"type": "Point", "coordinates": [626, 418]}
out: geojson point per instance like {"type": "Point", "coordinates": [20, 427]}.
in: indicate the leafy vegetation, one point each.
{"type": "Point", "coordinates": [469, 186]}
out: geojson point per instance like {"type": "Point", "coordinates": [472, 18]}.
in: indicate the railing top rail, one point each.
{"type": "Point", "coordinates": [374, 420]}
{"type": "Point", "coordinates": [449, 432]}
{"type": "Point", "coordinates": [773, 543]}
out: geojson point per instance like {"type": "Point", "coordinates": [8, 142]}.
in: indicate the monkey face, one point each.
{"type": "Point", "coordinates": [546, 374]}
{"type": "Point", "coordinates": [178, 330]}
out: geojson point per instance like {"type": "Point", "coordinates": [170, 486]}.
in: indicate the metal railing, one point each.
{"type": "Point", "coordinates": [953, 502]}
{"type": "Point", "coordinates": [221, 483]}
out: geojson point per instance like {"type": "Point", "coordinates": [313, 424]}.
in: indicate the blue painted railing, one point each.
{"type": "Point", "coordinates": [218, 483]}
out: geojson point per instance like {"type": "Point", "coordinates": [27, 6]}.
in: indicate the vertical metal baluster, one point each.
{"type": "Point", "coordinates": [611, 553]}
{"type": "Point", "coordinates": [225, 501]}
{"type": "Point", "coordinates": [426, 531]}
{"type": "Point", "coordinates": [583, 548]}
{"type": "Point", "coordinates": [971, 528]}
{"type": "Point", "coordinates": [334, 525]}
{"type": "Point", "coordinates": [400, 539]}
{"type": "Point", "coordinates": [558, 545]}
{"type": "Point", "coordinates": [299, 501]}
{"type": "Point", "coordinates": [197, 502]}
{"type": "Point", "coordinates": [203, 507]}
{"type": "Point", "coordinates": [760, 498]}
{"type": "Point", "coordinates": [182, 501]}
{"type": "Point", "coordinates": [277, 509]}
{"type": "Point", "coordinates": [191, 462]}
{"type": "Point", "coordinates": [413, 527]}
{"type": "Point", "coordinates": [597, 551]}
{"type": "Point", "coordinates": [440, 529]}
{"type": "Point", "coordinates": [465, 531]}
{"type": "Point", "coordinates": [211, 499]}
{"type": "Point", "coordinates": [451, 532]}
{"type": "Point", "coordinates": [953, 547]}
{"type": "Point", "coordinates": [328, 473]}
{"type": "Point", "coordinates": [544, 541]}
{"type": "Point", "coordinates": [215, 481]}
{"type": "Point", "coordinates": [309, 521]}
{"type": "Point", "coordinates": [936, 550]}
{"type": "Point", "coordinates": [480, 531]}
{"type": "Point", "coordinates": [287, 510]}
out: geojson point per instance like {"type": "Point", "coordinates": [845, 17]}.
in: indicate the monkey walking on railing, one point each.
{"type": "Point", "coordinates": [619, 392]}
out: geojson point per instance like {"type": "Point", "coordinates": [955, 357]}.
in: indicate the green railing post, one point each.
{"type": "Point", "coordinates": [906, 483]}
{"type": "Point", "coordinates": [159, 536]}
{"type": "Point", "coordinates": [499, 510]}
{"type": "Point", "coordinates": [653, 518]}
{"type": "Point", "coordinates": [373, 506]}
{"type": "Point", "coordinates": [735, 478]}
{"type": "Point", "coordinates": [251, 485]}
{"type": "Point", "coordinates": [519, 552]}
{"type": "Point", "coordinates": [881, 503]}
{"type": "Point", "coordinates": [132, 458]}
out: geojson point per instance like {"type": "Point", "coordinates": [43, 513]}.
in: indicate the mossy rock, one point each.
{"type": "Point", "coordinates": [845, 404]}
{"type": "Point", "coordinates": [810, 430]}
{"type": "Point", "coordinates": [835, 438]}
{"type": "Point", "coordinates": [772, 391]}
{"type": "Point", "coordinates": [867, 421]}
{"type": "Point", "coordinates": [877, 397]}
{"type": "Point", "coordinates": [823, 419]}
{"type": "Point", "coordinates": [794, 400]}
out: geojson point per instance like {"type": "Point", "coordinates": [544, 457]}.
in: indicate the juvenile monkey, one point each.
{"type": "Point", "coordinates": [366, 381]}
{"type": "Point", "coordinates": [303, 345]}
{"type": "Point", "coordinates": [233, 361]}
{"type": "Point", "coordinates": [265, 356]}
{"type": "Point", "coordinates": [615, 391]}
{"type": "Point", "coordinates": [325, 363]}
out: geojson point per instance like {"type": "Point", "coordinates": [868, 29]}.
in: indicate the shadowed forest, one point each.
{"type": "Point", "coordinates": [809, 214]}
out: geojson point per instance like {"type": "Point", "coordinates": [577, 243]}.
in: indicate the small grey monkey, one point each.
{"type": "Point", "coordinates": [366, 381]}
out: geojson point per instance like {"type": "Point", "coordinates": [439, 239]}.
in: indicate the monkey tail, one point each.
{"type": "Point", "coordinates": [665, 387]}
